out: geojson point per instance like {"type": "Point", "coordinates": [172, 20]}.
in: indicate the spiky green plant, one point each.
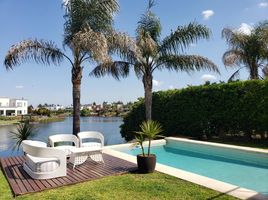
{"type": "Point", "coordinates": [149, 130]}
{"type": "Point", "coordinates": [139, 139]}
{"type": "Point", "coordinates": [24, 131]}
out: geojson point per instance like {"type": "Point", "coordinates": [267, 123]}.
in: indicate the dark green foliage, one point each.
{"type": "Point", "coordinates": [211, 110]}
{"type": "Point", "coordinates": [85, 112]}
{"type": "Point", "coordinates": [43, 111]}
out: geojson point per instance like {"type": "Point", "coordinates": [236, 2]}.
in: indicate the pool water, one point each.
{"type": "Point", "coordinates": [237, 167]}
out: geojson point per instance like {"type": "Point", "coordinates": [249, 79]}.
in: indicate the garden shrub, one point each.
{"type": "Point", "coordinates": [210, 110]}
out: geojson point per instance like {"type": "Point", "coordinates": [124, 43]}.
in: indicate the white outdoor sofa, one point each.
{"type": "Point", "coordinates": [64, 138]}
{"type": "Point", "coordinates": [43, 162]}
{"type": "Point", "coordinates": [93, 140]}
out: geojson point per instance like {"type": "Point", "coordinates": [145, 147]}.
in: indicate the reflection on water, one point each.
{"type": "Point", "coordinates": [108, 126]}
{"type": "Point", "coordinates": [3, 147]}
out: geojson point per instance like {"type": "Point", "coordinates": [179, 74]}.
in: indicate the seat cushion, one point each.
{"type": "Point", "coordinates": [37, 164]}
{"type": "Point", "coordinates": [91, 144]}
{"type": "Point", "coordinates": [65, 148]}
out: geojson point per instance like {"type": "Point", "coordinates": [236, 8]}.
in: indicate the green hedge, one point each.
{"type": "Point", "coordinates": [211, 110]}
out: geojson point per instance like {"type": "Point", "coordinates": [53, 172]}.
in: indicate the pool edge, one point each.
{"type": "Point", "coordinates": [250, 149]}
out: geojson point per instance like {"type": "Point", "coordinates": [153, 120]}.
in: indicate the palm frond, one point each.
{"type": "Point", "coordinates": [262, 27]}
{"type": "Point", "coordinates": [149, 24]}
{"type": "Point", "coordinates": [122, 45]}
{"type": "Point", "coordinates": [96, 14]}
{"type": "Point", "coordinates": [235, 40]}
{"type": "Point", "coordinates": [187, 63]}
{"type": "Point", "coordinates": [183, 37]}
{"type": "Point", "coordinates": [94, 43]}
{"type": "Point", "coordinates": [40, 51]}
{"type": "Point", "coordinates": [146, 46]}
{"type": "Point", "coordinates": [151, 4]}
{"type": "Point", "coordinates": [235, 75]}
{"type": "Point", "coordinates": [117, 69]}
{"type": "Point", "coordinates": [150, 129]}
{"type": "Point", "coordinates": [139, 139]}
{"type": "Point", "coordinates": [233, 57]}
{"type": "Point", "coordinates": [139, 70]}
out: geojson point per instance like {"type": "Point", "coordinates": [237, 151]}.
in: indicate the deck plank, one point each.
{"type": "Point", "coordinates": [12, 183]}
{"type": "Point", "coordinates": [21, 183]}
{"type": "Point", "coordinates": [16, 177]}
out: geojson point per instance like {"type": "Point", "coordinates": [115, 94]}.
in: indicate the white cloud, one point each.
{"type": "Point", "coordinates": [245, 29]}
{"type": "Point", "coordinates": [208, 77]}
{"type": "Point", "coordinates": [19, 86]}
{"type": "Point", "coordinates": [157, 83]}
{"type": "Point", "coordinates": [263, 4]}
{"type": "Point", "coordinates": [207, 14]}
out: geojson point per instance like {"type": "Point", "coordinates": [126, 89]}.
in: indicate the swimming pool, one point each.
{"type": "Point", "coordinates": [246, 169]}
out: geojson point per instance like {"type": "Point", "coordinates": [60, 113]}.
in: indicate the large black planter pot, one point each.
{"type": "Point", "coordinates": [146, 164]}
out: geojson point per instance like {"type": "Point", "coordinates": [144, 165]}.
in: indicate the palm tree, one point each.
{"type": "Point", "coordinates": [247, 50]}
{"type": "Point", "coordinates": [149, 52]}
{"type": "Point", "coordinates": [87, 23]}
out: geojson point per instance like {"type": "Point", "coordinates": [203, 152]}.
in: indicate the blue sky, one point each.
{"type": "Point", "coordinates": [23, 19]}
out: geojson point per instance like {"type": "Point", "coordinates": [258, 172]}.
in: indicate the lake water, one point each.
{"type": "Point", "coordinates": [109, 127]}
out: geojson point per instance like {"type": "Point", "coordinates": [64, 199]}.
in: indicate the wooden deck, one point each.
{"type": "Point", "coordinates": [21, 183]}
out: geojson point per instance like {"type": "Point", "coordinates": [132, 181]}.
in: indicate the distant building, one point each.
{"type": "Point", "coordinates": [87, 106]}
{"type": "Point", "coordinates": [13, 107]}
{"type": "Point", "coordinates": [54, 107]}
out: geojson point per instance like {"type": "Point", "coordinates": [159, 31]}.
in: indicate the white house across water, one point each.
{"type": "Point", "coordinates": [13, 107]}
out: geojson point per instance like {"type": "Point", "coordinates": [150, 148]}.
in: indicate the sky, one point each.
{"type": "Point", "coordinates": [43, 19]}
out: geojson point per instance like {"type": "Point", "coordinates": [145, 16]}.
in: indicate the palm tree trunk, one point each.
{"type": "Point", "coordinates": [254, 74]}
{"type": "Point", "coordinates": [76, 80]}
{"type": "Point", "coordinates": [148, 86]}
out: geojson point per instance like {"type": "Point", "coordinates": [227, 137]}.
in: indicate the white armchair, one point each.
{"type": "Point", "coordinates": [43, 162]}
{"type": "Point", "coordinates": [92, 139]}
{"type": "Point", "coordinates": [64, 138]}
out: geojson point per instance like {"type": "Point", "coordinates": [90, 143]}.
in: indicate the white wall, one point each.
{"type": "Point", "coordinates": [4, 102]}
{"type": "Point", "coordinates": [18, 106]}
{"type": "Point", "coordinates": [22, 107]}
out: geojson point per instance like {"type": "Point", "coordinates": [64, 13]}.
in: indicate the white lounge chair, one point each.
{"type": "Point", "coordinates": [43, 162]}
{"type": "Point", "coordinates": [64, 138]}
{"type": "Point", "coordinates": [92, 139]}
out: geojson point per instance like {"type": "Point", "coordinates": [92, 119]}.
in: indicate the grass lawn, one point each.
{"type": "Point", "coordinates": [8, 122]}
{"type": "Point", "coordinates": [130, 186]}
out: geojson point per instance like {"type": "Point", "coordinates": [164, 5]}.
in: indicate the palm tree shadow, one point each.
{"type": "Point", "coordinates": [222, 194]}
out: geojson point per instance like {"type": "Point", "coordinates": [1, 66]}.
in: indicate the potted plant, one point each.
{"type": "Point", "coordinates": [150, 130]}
